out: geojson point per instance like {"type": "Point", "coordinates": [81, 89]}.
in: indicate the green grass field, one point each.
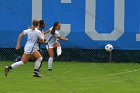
{"type": "Point", "coordinates": [73, 77]}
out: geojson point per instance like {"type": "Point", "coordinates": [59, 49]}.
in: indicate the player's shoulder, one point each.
{"type": "Point", "coordinates": [56, 32]}
{"type": "Point", "coordinates": [27, 30]}
{"type": "Point", "coordinates": [37, 30]}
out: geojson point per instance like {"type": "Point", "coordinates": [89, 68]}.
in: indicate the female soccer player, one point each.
{"type": "Point", "coordinates": [42, 25]}
{"type": "Point", "coordinates": [51, 39]}
{"type": "Point", "coordinates": [33, 36]}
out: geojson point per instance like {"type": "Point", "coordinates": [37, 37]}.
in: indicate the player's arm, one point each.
{"type": "Point", "coordinates": [41, 39]}
{"type": "Point", "coordinates": [47, 31]}
{"type": "Point", "coordinates": [57, 35]}
{"type": "Point", "coordinates": [62, 38]}
{"type": "Point", "coordinates": [18, 41]}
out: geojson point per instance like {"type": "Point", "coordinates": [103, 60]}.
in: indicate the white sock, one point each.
{"type": "Point", "coordinates": [17, 64]}
{"type": "Point", "coordinates": [50, 63]}
{"type": "Point", "coordinates": [59, 50]}
{"type": "Point", "coordinates": [38, 63]}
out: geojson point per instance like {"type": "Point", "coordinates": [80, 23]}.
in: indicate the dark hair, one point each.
{"type": "Point", "coordinates": [41, 24]}
{"type": "Point", "coordinates": [53, 29]}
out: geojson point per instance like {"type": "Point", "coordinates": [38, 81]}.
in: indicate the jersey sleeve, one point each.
{"type": "Point", "coordinates": [57, 34]}
{"type": "Point", "coordinates": [25, 32]}
{"type": "Point", "coordinates": [39, 35]}
{"type": "Point", "coordinates": [51, 29]}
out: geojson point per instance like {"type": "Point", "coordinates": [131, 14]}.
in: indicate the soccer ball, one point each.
{"type": "Point", "coordinates": [108, 47]}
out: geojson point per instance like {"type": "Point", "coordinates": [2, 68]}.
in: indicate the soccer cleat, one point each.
{"type": "Point", "coordinates": [49, 69]}
{"type": "Point", "coordinates": [36, 75]}
{"type": "Point", "coordinates": [6, 70]}
{"type": "Point", "coordinates": [59, 57]}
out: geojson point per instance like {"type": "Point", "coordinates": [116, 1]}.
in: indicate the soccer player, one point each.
{"type": "Point", "coordinates": [51, 38]}
{"type": "Point", "coordinates": [42, 25]}
{"type": "Point", "coordinates": [33, 35]}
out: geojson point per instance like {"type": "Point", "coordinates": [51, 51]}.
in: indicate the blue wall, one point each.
{"type": "Point", "coordinates": [15, 16]}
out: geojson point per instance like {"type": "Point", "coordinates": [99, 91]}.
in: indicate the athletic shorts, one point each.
{"type": "Point", "coordinates": [50, 45]}
{"type": "Point", "coordinates": [29, 49]}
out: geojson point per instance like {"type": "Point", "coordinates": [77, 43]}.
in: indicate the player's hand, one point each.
{"type": "Point", "coordinates": [67, 39]}
{"type": "Point", "coordinates": [17, 46]}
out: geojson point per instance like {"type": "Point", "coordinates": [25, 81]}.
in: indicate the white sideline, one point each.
{"type": "Point", "coordinates": [127, 71]}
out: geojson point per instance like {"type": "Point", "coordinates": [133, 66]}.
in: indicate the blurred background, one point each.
{"type": "Point", "coordinates": [88, 24]}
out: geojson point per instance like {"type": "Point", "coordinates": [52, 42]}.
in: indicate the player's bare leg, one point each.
{"type": "Point", "coordinates": [25, 58]}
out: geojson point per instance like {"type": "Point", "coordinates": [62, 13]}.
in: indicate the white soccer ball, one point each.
{"type": "Point", "coordinates": [108, 47]}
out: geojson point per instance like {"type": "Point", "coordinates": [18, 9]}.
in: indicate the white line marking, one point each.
{"type": "Point", "coordinates": [127, 71]}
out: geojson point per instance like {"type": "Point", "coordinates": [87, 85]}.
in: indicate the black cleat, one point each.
{"type": "Point", "coordinates": [6, 70]}
{"type": "Point", "coordinates": [36, 75]}
{"type": "Point", "coordinates": [49, 69]}
{"type": "Point", "coordinates": [59, 57]}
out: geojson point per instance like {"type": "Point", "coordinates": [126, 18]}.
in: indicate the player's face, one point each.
{"type": "Point", "coordinates": [58, 27]}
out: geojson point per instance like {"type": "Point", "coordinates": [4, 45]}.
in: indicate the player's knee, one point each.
{"type": "Point", "coordinates": [40, 59]}
{"type": "Point", "coordinates": [24, 61]}
{"type": "Point", "coordinates": [57, 44]}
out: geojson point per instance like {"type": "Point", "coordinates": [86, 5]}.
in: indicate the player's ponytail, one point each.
{"type": "Point", "coordinates": [53, 29]}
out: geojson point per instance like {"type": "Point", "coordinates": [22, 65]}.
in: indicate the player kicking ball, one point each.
{"type": "Point", "coordinates": [52, 35]}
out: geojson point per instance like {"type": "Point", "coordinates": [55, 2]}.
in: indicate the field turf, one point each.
{"type": "Point", "coordinates": [72, 77]}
